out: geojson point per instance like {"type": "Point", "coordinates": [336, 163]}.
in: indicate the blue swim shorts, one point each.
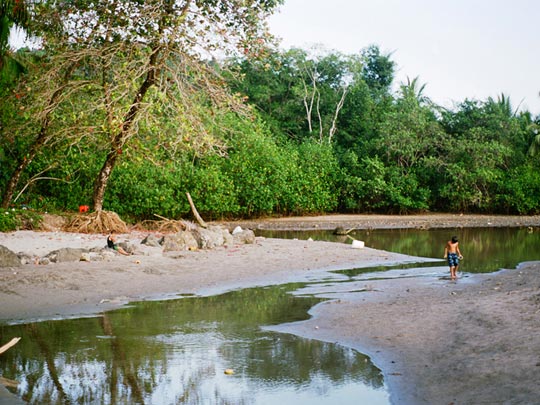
{"type": "Point", "coordinates": [453, 259]}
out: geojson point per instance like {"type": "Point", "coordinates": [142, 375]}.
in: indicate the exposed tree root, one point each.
{"type": "Point", "coordinates": [97, 222]}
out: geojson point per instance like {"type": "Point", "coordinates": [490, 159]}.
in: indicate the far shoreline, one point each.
{"type": "Point", "coordinates": [380, 221]}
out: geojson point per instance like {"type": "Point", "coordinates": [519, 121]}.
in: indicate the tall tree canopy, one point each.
{"type": "Point", "coordinates": [123, 59]}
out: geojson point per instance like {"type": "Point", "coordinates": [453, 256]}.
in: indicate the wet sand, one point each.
{"type": "Point", "coordinates": [74, 288]}
{"type": "Point", "coordinates": [474, 341]}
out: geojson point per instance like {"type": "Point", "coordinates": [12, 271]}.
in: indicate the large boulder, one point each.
{"type": "Point", "coordinates": [183, 240]}
{"type": "Point", "coordinates": [8, 258]}
{"type": "Point", "coordinates": [209, 238]}
{"type": "Point", "coordinates": [246, 236]}
{"type": "Point", "coordinates": [227, 237]}
{"type": "Point", "coordinates": [66, 255]}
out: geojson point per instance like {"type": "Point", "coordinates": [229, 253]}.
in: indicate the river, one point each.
{"type": "Point", "coordinates": [215, 350]}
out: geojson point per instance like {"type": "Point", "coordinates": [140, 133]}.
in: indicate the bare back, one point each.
{"type": "Point", "coordinates": [452, 247]}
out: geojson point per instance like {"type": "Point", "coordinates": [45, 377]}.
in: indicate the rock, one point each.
{"type": "Point", "coordinates": [183, 240]}
{"type": "Point", "coordinates": [44, 261]}
{"type": "Point", "coordinates": [151, 240]}
{"type": "Point", "coordinates": [126, 246]}
{"type": "Point", "coordinates": [357, 244]}
{"type": "Point", "coordinates": [209, 238]}
{"type": "Point", "coordinates": [9, 258]}
{"type": "Point", "coordinates": [91, 257]}
{"type": "Point", "coordinates": [237, 230]}
{"type": "Point", "coordinates": [246, 236]}
{"type": "Point", "coordinates": [107, 254]}
{"type": "Point", "coordinates": [85, 257]}
{"type": "Point", "coordinates": [66, 255]}
{"type": "Point", "coordinates": [227, 237]}
{"type": "Point", "coordinates": [26, 258]}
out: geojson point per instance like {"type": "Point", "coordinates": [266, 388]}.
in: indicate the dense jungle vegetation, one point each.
{"type": "Point", "coordinates": [122, 113]}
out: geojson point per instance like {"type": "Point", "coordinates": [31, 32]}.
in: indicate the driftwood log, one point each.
{"type": "Point", "coordinates": [10, 344]}
{"type": "Point", "coordinates": [195, 212]}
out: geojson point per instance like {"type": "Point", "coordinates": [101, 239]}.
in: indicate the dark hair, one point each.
{"type": "Point", "coordinates": [454, 239]}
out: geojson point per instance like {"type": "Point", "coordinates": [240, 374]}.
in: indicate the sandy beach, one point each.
{"type": "Point", "coordinates": [436, 342]}
{"type": "Point", "coordinates": [65, 289]}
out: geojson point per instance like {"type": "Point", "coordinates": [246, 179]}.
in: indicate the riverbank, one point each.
{"type": "Point", "coordinates": [79, 288]}
{"type": "Point", "coordinates": [473, 341]}
{"type": "Point", "coordinates": [375, 221]}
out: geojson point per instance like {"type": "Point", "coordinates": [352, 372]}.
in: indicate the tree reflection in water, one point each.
{"type": "Point", "coordinates": [175, 352]}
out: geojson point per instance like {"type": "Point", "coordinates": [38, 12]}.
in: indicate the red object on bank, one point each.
{"type": "Point", "coordinates": [83, 208]}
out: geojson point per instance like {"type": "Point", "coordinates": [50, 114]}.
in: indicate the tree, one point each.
{"type": "Point", "coordinates": [378, 71]}
{"type": "Point", "coordinates": [324, 82]}
{"type": "Point", "coordinates": [12, 12]}
{"type": "Point", "coordinates": [409, 138]}
{"type": "Point", "coordinates": [271, 85]}
{"type": "Point", "coordinates": [300, 93]}
{"type": "Point", "coordinates": [129, 55]}
{"type": "Point", "coordinates": [38, 117]}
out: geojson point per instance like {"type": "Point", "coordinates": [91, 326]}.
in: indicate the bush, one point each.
{"type": "Point", "coordinates": [212, 190]}
{"type": "Point", "coordinates": [16, 219]}
{"type": "Point", "coordinates": [258, 169]}
{"type": "Point", "coordinates": [520, 190]}
{"type": "Point", "coordinates": [312, 183]}
{"type": "Point", "coordinates": [139, 191]}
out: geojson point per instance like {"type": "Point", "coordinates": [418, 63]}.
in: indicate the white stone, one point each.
{"type": "Point", "coordinates": [358, 244]}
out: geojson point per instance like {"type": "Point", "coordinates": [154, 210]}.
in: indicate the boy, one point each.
{"type": "Point", "coordinates": [451, 251]}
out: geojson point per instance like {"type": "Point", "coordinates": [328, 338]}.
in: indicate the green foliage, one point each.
{"type": "Point", "coordinates": [381, 188]}
{"type": "Point", "coordinates": [15, 219]}
{"type": "Point", "coordinates": [312, 183]}
{"type": "Point", "coordinates": [8, 221]}
{"type": "Point", "coordinates": [298, 93]}
{"type": "Point", "coordinates": [213, 190]}
{"type": "Point", "coordinates": [520, 189]}
{"type": "Point", "coordinates": [294, 150]}
{"type": "Point", "coordinates": [258, 171]}
{"type": "Point", "coordinates": [378, 71]}
{"type": "Point", "coordinates": [142, 190]}
{"type": "Point", "coordinates": [271, 85]}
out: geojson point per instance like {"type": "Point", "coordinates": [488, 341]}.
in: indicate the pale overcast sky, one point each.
{"type": "Point", "coordinates": [459, 48]}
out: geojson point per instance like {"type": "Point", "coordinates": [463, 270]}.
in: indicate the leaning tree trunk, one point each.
{"type": "Point", "coordinates": [41, 140]}
{"type": "Point", "coordinates": [124, 134]}
{"type": "Point", "coordinates": [103, 179]}
{"type": "Point", "coordinates": [23, 164]}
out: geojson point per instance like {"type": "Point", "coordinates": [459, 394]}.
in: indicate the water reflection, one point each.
{"type": "Point", "coordinates": [175, 352]}
{"type": "Point", "coordinates": [485, 249]}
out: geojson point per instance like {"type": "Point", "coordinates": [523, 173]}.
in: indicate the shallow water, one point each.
{"type": "Point", "coordinates": [484, 249]}
{"type": "Point", "coordinates": [177, 351]}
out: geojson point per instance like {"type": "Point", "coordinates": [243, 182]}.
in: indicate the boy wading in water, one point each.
{"type": "Point", "coordinates": [451, 251]}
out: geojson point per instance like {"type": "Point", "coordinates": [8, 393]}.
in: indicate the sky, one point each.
{"type": "Point", "coordinates": [460, 49]}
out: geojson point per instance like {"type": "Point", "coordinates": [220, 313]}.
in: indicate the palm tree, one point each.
{"type": "Point", "coordinates": [533, 127]}
{"type": "Point", "coordinates": [415, 91]}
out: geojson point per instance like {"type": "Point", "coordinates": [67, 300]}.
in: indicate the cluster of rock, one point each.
{"type": "Point", "coordinates": [193, 239]}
